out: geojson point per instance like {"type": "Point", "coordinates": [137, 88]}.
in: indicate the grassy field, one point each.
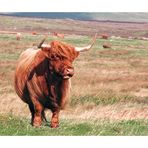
{"type": "Point", "coordinates": [109, 94]}
{"type": "Point", "coordinates": [11, 125]}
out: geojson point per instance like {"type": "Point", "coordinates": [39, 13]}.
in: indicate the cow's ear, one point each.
{"type": "Point", "coordinates": [46, 50]}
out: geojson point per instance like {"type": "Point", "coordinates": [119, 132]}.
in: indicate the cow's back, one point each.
{"type": "Point", "coordinates": [23, 69]}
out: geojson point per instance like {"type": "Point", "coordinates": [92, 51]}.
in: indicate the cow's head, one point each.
{"type": "Point", "coordinates": [61, 57]}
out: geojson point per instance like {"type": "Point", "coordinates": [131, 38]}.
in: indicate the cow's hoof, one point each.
{"type": "Point", "coordinates": [54, 125]}
{"type": "Point", "coordinates": [37, 122]}
{"type": "Point", "coordinates": [37, 125]}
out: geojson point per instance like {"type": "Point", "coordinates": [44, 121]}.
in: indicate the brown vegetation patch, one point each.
{"type": "Point", "coordinates": [114, 52]}
{"type": "Point", "coordinates": [143, 92]}
{"type": "Point", "coordinates": [106, 45]}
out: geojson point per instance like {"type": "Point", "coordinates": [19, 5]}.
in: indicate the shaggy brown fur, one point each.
{"type": "Point", "coordinates": [41, 79]}
{"type": "Point", "coordinates": [62, 50]}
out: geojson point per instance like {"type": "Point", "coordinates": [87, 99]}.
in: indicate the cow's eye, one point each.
{"type": "Point", "coordinates": [55, 57]}
{"type": "Point", "coordinates": [52, 57]}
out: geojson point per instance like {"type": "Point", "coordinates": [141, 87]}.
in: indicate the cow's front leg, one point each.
{"type": "Point", "coordinates": [38, 109]}
{"type": "Point", "coordinates": [38, 116]}
{"type": "Point", "coordinates": [55, 119]}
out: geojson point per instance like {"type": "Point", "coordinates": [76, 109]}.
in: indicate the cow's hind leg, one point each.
{"type": "Point", "coordinates": [55, 119]}
{"type": "Point", "coordinates": [31, 107]}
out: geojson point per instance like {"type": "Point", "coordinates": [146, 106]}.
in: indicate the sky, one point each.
{"type": "Point", "coordinates": [73, 6]}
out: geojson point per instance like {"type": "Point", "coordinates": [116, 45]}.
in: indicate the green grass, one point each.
{"type": "Point", "coordinates": [10, 125]}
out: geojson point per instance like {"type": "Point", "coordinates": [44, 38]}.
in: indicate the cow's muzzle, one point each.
{"type": "Point", "coordinates": [68, 73]}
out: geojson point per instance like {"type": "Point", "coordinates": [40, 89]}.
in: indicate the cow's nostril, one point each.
{"type": "Point", "coordinates": [69, 71]}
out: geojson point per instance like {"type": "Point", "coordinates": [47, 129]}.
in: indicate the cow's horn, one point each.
{"type": "Point", "coordinates": [86, 48]}
{"type": "Point", "coordinates": [45, 46]}
{"type": "Point", "coordinates": [41, 43]}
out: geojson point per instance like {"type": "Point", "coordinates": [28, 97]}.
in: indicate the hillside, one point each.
{"type": "Point", "coordinates": [112, 16]}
